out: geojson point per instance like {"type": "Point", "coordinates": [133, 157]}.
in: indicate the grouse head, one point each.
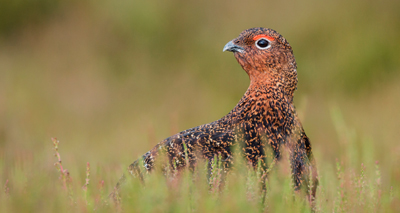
{"type": "Point", "coordinates": [267, 58]}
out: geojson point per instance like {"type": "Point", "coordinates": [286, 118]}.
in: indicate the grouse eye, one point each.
{"type": "Point", "coordinates": [262, 43]}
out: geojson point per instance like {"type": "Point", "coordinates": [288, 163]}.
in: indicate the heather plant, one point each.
{"type": "Point", "coordinates": [210, 188]}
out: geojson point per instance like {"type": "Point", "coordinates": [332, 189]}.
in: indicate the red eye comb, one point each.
{"type": "Point", "coordinates": [263, 36]}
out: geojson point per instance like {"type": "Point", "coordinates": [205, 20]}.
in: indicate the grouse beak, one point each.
{"type": "Point", "coordinates": [231, 47]}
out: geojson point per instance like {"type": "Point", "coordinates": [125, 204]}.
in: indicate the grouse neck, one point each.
{"type": "Point", "coordinates": [282, 81]}
{"type": "Point", "coordinates": [267, 84]}
{"type": "Point", "coordinates": [259, 98]}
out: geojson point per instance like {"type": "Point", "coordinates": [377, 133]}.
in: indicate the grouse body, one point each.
{"type": "Point", "coordinates": [264, 116]}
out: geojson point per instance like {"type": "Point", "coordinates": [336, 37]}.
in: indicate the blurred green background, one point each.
{"type": "Point", "coordinates": [110, 79]}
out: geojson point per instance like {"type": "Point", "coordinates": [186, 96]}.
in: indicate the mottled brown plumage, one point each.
{"type": "Point", "coordinates": [265, 115]}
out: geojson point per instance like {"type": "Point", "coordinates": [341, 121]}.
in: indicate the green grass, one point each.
{"type": "Point", "coordinates": [345, 186]}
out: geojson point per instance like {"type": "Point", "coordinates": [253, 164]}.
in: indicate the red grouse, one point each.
{"type": "Point", "coordinates": [265, 115]}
